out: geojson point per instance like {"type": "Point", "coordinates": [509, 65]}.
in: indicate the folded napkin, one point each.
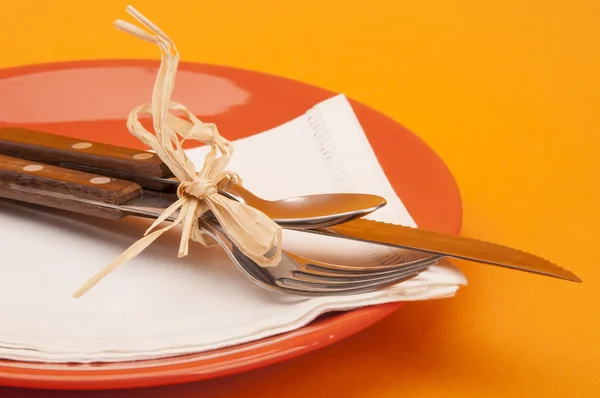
{"type": "Point", "coordinates": [158, 305]}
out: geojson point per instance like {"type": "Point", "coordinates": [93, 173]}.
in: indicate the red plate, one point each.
{"type": "Point", "coordinates": [91, 99]}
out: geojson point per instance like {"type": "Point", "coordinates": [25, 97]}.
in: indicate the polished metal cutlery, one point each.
{"type": "Point", "coordinates": [427, 243]}
{"type": "Point", "coordinates": [422, 244]}
{"type": "Point", "coordinates": [300, 276]}
{"type": "Point", "coordinates": [445, 245]}
{"type": "Point", "coordinates": [105, 197]}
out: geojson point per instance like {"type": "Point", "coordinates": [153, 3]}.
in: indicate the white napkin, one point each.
{"type": "Point", "coordinates": [158, 305]}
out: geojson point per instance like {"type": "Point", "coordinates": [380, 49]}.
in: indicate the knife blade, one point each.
{"type": "Point", "coordinates": [453, 246]}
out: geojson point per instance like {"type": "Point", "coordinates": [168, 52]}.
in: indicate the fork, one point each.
{"type": "Point", "coordinates": [76, 191]}
{"type": "Point", "coordinates": [298, 275]}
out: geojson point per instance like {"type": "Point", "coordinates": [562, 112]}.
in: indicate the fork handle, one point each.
{"type": "Point", "coordinates": [60, 150]}
{"type": "Point", "coordinates": [66, 189]}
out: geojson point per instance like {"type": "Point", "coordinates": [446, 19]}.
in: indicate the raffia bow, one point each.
{"type": "Point", "coordinates": [252, 232]}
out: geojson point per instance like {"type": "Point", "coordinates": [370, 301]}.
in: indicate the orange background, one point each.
{"type": "Point", "coordinates": [506, 91]}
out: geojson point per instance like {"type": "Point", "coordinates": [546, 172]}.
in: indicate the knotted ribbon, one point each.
{"type": "Point", "coordinates": [252, 232]}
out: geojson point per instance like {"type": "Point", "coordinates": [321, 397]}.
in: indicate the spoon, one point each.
{"type": "Point", "coordinates": [310, 211]}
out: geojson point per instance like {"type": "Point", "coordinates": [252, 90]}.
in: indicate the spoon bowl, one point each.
{"type": "Point", "coordinates": [310, 211]}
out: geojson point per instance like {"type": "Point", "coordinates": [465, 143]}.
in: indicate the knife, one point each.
{"type": "Point", "coordinates": [458, 247]}
{"type": "Point", "coordinates": [149, 172]}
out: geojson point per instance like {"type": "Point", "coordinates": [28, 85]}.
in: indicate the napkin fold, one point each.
{"type": "Point", "coordinates": [158, 305]}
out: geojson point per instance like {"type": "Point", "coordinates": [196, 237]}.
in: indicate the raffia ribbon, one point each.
{"type": "Point", "coordinates": [252, 232]}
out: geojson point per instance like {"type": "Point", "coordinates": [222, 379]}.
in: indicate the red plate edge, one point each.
{"type": "Point", "coordinates": [416, 172]}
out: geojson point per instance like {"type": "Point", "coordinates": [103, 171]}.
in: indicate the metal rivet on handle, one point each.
{"type": "Point", "coordinates": [81, 145]}
{"type": "Point", "coordinates": [100, 180]}
{"type": "Point", "coordinates": [33, 167]}
{"type": "Point", "coordinates": [142, 156]}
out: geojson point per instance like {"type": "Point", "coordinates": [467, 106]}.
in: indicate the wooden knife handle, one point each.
{"type": "Point", "coordinates": [59, 150]}
{"type": "Point", "coordinates": [47, 185]}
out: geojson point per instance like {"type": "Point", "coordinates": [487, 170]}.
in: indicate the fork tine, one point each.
{"type": "Point", "coordinates": [332, 270]}
{"type": "Point", "coordinates": [338, 279]}
{"type": "Point", "coordinates": [319, 289]}
{"type": "Point", "coordinates": [336, 286]}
